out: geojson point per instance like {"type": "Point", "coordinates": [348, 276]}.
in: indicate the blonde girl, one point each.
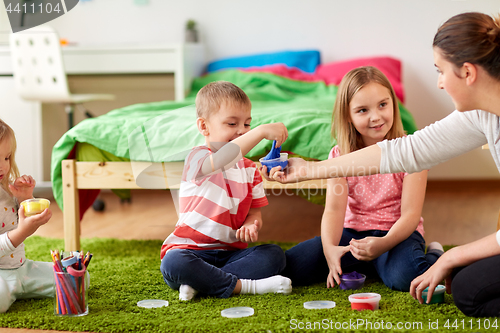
{"type": "Point", "coordinates": [370, 224]}
{"type": "Point", "coordinates": [19, 277]}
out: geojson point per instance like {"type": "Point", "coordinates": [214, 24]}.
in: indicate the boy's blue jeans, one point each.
{"type": "Point", "coordinates": [215, 272]}
{"type": "Point", "coordinates": [306, 263]}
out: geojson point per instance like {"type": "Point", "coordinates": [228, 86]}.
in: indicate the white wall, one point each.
{"type": "Point", "coordinates": [4, 26]}
{"type": "Point", "coordinates": [340, 29]}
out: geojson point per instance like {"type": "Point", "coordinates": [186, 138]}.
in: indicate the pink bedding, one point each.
{"type": "Point", "coordinates": [332, 73]}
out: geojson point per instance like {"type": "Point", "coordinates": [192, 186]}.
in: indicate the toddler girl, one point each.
{"type": "Point", "coordinates": [19, 277]}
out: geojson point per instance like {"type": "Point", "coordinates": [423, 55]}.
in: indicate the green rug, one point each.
{"type": "Point", "coordinates": [125, 272]}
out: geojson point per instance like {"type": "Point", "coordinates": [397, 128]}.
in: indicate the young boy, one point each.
{"type": "Point", "coordinates": [220, 198]}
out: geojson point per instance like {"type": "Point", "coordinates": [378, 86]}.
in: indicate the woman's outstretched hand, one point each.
{"type": "Point", "coordinates": [296, 171]}
{"type": "Point", "coordinates": [431, 278]}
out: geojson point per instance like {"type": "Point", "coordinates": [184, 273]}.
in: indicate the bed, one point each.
{"type": "Point", "coordinates": [143, 145]}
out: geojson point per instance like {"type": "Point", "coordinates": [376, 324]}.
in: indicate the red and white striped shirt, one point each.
{"type": "Point", "coordinates": [213, 207]}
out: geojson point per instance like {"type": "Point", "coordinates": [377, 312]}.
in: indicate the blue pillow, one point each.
{"type": "Point", "coordinates": [306, 61]}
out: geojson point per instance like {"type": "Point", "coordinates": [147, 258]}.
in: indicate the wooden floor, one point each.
{"type": "Point", "coordinates": [454, 213]}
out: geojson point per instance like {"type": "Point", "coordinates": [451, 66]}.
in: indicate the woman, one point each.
{"type": "Point", "coordinates": [467, 56]}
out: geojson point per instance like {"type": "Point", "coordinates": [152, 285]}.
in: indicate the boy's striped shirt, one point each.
{"type": "Point", "coordinates": [213, 207]}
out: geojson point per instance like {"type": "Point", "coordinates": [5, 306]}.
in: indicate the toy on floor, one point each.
{"type": "Point", "coordinates": [437, 295]}
{"type": "Point", "coordinates": [365, 301]}
{"type": "Point", "coordinates": [353, 280]}
{"type": "Point", "coordinates": [275, 158]}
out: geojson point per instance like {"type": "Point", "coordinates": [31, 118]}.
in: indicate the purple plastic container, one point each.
{"type": "Point", "coordinates": [353, 280]}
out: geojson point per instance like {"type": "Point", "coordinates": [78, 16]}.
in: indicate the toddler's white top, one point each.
{"type": "Point", "coordinates": [10, 256]}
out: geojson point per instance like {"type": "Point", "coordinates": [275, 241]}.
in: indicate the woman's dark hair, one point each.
{"type": "Point", "coordinates": [471, 37]}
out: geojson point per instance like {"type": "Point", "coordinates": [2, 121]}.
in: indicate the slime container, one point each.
{"type": "Point", "coordinates": [34, 206]}
{"type": "Point", "coordinates": [353, 280]}
{"type": "Point", "coordinates": [364, 301]}
{"type": "Point", "coordinates": [281, 161]}
{"type": "Point", "coordinates": [437, 295]}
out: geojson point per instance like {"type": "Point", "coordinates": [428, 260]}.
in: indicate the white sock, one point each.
{"type": "Point", "coordinates": [274, 284]}
{"type": "Point", "coordinates": [186, 293]}
{"type": "Point", "coordinates": [435, 246]}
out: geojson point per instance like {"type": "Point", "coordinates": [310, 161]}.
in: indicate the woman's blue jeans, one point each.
{"type": "Point", "coordinates": [215, 272]}
{"type": "Point", "coordinates": [306, 263]}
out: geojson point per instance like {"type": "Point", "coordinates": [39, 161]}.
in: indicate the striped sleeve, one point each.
{"type": "Point", "coordinates": [259, 198]}
{"type": "Point", "coordinates": [193, 163]}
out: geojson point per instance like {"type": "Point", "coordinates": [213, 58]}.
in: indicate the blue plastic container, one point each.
{"type": "Point", "coordinates": [281, 161]}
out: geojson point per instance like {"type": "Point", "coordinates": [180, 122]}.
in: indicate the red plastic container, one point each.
{"type": "Point", "coordinates": [365, 301]}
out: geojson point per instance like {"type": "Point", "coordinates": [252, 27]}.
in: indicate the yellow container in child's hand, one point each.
{"type": "Point", "coordinates": [34, 206]}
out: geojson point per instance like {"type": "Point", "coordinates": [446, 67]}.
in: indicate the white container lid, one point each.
{"type": "Point", "coordinates": [319, 305]}
{"type": "Point", "coordinates": [237, 312]}
{"type": "Point", "coordinates": [152, 303]}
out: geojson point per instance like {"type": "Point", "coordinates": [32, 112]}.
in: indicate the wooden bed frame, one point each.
{"type": "Point", "coordinates": [120, 175]}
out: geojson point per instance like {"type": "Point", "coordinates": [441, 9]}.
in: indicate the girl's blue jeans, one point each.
{"type": "Point", "coordinates": [306, 264]}
{"type": "Point", "coordinates": [215, 272]}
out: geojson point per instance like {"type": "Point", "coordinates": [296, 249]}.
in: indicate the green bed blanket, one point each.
{"type": "Point", "coordinates": [304, 107]}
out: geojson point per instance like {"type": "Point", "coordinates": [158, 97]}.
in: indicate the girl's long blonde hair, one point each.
{"type": "Point", "coordinates": [6, 133]}
{"type": "Point", "coordinates": [348, 138]}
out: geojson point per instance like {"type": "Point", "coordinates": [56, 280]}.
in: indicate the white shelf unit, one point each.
{"type": "Point", "coordinates": [185, 61]}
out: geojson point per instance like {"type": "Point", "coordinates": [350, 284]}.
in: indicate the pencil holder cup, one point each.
{"type": "Point", "coordinates": [71, 292]}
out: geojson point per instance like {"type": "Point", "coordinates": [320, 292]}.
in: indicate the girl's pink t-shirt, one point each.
{"type": "Point", "coordinates": [374, 202]}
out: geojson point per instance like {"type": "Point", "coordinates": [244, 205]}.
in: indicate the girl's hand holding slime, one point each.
{"type": "Point", "coordinates": [28, 225]}
{"type": "Point", "coordinates": [34, 206]}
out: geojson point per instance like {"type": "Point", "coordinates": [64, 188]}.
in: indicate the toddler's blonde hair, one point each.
{"type": "Point", "coordinates": [6, 133]}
